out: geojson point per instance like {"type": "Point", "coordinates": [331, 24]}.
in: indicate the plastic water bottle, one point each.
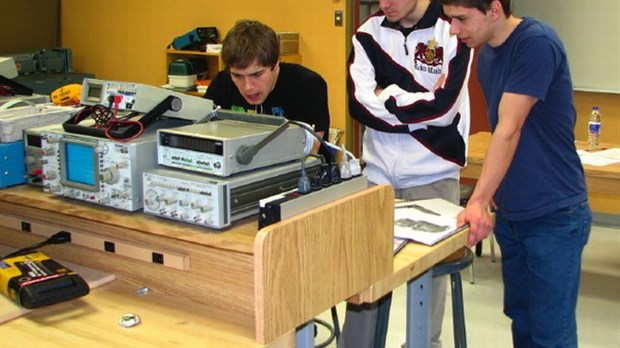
{"type": "Point", "coordinates": [594, 128]}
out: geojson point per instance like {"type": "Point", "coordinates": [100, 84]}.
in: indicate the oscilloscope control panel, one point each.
{"type": "Point", "coordinates": [97, 170]}
{"type": "Point", "coordinates": [33, 153]}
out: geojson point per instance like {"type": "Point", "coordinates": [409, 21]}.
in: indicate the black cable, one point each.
{"type": "Point", "coordinates": [58, 238]}
{"type": "Point", "coordinates": [102, 115]}
{"type": "Point", "coordinates": [330, 171]}
{"type": "Point", "coordinates": [336, 323]}
{"type": "Point", "coordinates": [304, 184]}
{"type": "Point", "coordinates": [320, 139]}
{"type": "Point", "coordinates": [329, 328]}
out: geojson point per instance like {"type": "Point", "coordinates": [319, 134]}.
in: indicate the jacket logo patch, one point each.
{"type": "Point", "coordinates": [428, 57]}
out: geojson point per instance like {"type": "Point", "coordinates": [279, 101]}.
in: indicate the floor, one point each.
{"type": "Point", "coordinates": [598, 309]}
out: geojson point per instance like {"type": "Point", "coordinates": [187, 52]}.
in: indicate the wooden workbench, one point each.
{"type": "Point", "coordinates": [269, 281]}
{"type": "Point", "coordinates": [235, 288]}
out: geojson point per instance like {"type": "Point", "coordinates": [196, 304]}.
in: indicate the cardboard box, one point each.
{"type": "Point", "coordinates": [35, 98]}
{"type": "Point", "coordinates": [182, 81]}
{"type": "Point", "coordinates": [14, 120]}
{"type": "Point", "coordinates": [189, 66]}
{"type": "Point", "coordinates": [289, 42]}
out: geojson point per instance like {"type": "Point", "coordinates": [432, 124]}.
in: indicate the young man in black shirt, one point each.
{"type": "Point", "coordinates": [256, 81]}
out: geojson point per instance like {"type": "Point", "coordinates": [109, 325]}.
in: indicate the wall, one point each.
{"type": "Point", "coordinates": [125, 40]}
{"type": "Point", "coordinates": [28, 26]}
{"type": "Point", "coordinates": [590, 32]}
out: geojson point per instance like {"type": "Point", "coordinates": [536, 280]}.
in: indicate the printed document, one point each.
{"type": "Point", "coordinates": [425, 221]}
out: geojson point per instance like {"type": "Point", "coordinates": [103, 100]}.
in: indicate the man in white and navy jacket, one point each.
{"type": "Point", "coordinates": [407, 84]}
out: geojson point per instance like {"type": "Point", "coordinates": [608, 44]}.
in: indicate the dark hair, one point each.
{"type": "Point", "coordinates": [250, 41]}
{"type": "Point", "coordinates": [481, 5]}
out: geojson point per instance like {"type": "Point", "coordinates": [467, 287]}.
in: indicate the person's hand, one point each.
{"type": "Point", "coordinates": [378, 91]}
{"type": "Point", "coordinates": [480, 222]}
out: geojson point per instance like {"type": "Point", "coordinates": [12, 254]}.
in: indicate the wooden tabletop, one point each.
{"type": "Point", "coordinates": [165, 321]}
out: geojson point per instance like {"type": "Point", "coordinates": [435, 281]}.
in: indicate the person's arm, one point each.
{"type": "Point", "coordinates": [400, 104]}
{"type": "Point", "coordinates": [513, 111]}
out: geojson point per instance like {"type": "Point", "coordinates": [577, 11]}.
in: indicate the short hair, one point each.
{"type": "Point", "coordinates": [249, 41]}
{"type": "Point", "coordinates": [481, 5]}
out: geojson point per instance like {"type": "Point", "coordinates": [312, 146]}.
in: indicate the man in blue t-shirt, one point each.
{"type": "Point", "coordinates": [531, 174]}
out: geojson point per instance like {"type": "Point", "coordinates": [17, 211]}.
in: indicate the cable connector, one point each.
{"type": "Point", "coordinates": [117, 99]}
{"type": "Point", "coordinates": [326, 175]}
{"type": "Point", "coordinates": [59, 238]}
{"type": "Point", "coordinates": [335, 173]}
{"type": "Point", "coordinates": [345, 169]}
{"type": "Point", "coordinates": [356, 167]}
{"type": "Point", "coordinates": [303, 184]}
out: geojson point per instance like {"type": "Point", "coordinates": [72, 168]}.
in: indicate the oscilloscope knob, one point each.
{"type": "Point", "coordinates": [51, 174]}
{"type": "Point", "coordinates": [123, 164]}
{"type": "Point", "coordinates": [203, 207]}
{"type": "Point", "coordinates": [168, 200]}
{"type": "Point", "coordinates": [101, 148]}
{"type": "Point", "coordinates": [110, 175]}
{"type": "Point", "coordinates": [51, 138]}
{"type": "Point", "coordinates": [151, 199]}
{"type": "Point", "coordinates": [48, 151]}
{"type": "Point", "coordinates": [183, 202]}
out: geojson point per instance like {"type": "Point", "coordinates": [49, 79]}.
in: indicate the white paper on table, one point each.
{"type": "Point", "coordinates": [425, 221]}
{"type": "Point", "coordinates": [600, 158]}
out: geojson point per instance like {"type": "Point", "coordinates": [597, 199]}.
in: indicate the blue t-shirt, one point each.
{"type": "Point", "coordinates": [546, 173]}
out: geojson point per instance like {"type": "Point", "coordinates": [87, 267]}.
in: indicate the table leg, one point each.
{"type": "Point", "coordinates": [419, 293]}
{"type": "Point", "coordinates": [383, 318]}
{"type": "Point", "coordinates": [304, 335]}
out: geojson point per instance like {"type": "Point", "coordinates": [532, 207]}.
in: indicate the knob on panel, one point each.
{"type": "Point", "coordinates": [151, 200]}
{"type": "Point", "coordinates": [110, 175]}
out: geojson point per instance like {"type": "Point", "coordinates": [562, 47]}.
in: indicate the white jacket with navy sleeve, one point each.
{"type": "Point", "coordinates": [414, 135]}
